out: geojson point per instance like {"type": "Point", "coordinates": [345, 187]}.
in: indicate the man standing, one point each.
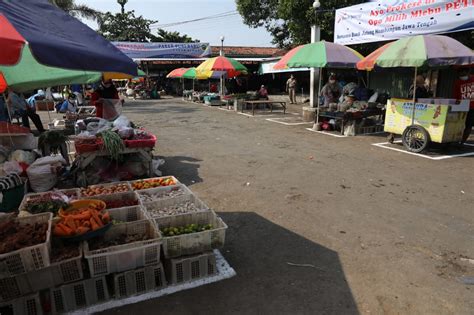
{"type": "Point", "coordinates": [291, 89]}
{"type": "Point", "coordinates": [19, 107]}
{"type": "Point", "coordinates": [464, 89]}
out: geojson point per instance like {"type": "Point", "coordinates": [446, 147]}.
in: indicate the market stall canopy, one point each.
{"type": "Point", "coordinates": [177, 73]}
{"type": "Point", "coordinates": [230, 66]}
{"type": "Point", "coordinates": [417, 51]}
{"type": "Point", "coordinates": [56, 39]}
{"type": "Point", "coordinates": [122, 76]}
{"type": "Point", "coordinates": [193, 74]}
{"type": "Point", "coordinates": [319, 55]}
{"type": "Point", "coordinates": [28, 75]}
{"type": "Point", "coordinates": [268, 68]}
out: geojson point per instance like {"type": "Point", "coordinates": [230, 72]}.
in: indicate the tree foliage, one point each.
{"type": "Point", "coordinates": [289, 21]}
{"type": "Point", "coordinates": [125, 26]}
{"type": "Point", "coordinates": [77, 10]}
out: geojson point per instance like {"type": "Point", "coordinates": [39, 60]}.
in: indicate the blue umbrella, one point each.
{"type": "Point", "coordinates": [58, 40]}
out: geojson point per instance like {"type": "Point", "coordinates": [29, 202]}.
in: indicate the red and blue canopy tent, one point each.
{"type": "Point", "coordinates": [56, 39]}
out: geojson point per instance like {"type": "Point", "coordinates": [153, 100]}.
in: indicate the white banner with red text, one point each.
{"type": "Point", "coordinates": [393, 19]}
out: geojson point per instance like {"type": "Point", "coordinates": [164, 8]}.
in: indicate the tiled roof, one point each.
{"type": "Point", "coordinates": [236, 51]}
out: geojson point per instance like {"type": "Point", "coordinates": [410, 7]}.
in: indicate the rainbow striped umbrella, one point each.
{"type": "Point", "coordinates": [177, 73]}
{"type": "Point", "coordinates": [222, 64]}
{"type": "Point", "coordinates": [188, 73]}
{"type": "Point", "coordinates": [319, 55]}
{"type": "Point", "coordinates": [417, 51]}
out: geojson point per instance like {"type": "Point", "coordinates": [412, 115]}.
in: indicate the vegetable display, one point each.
{"type": "Point", "coordinates": [185, 207]}
{"type": "Point", "coordinates": [81, 220]}
{"type": "Point", "coordinates": [60, 251]}
{"type": "Point", "coordinates": [104, 190]}
{"type": "Point", "coordinates": [150, 197]}
{"type": "Point", "coordinates": [187, 229]}
{"type": "Point", "coordinates": [114, 204]}
{"type": "Point", "coordinates": [141, 135]}
{"type": "Point", "coordinates": [112, 143]}
{"type": "Point", "coordinates": [14, 236]}
{"type": "Point", "coordinates": [120, 240]}
{"type": "Point", "coordinates": [153, 183]}
{"type": "Point", "coordinates": [47, 202]}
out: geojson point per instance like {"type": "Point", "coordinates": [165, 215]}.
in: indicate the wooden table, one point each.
{"type": "Point", "coordinates": [265, 102]}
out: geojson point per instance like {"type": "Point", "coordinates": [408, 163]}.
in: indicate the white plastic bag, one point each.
{"type": "Point", "coordinates": [23, 156]}
{"type": "Point", "coordinates": [96, 127]}
{"type": "Point", "coordinates": [125, 132]}
{"type": "Point", "coordinates": [12, 167]}
{"type": "Point", "coordinates": [156, 163]}
{"type": "Point", "coordinates": [42, 173]}
{"type": "Point", "coordinates": [4, 153]}
{"type": "Point", "coordinates": [121, 122]}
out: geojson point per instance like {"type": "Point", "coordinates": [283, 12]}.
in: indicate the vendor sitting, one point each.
{"type": "Point", "coordinates": [349, 103]}
{"type": "Point", "coordinates": [263, 93]}
{"type": "Point", "coordinates": [68, 106]}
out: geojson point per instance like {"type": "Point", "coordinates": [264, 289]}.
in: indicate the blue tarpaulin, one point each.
{"type": "Point", "coordinates": [56, 39]}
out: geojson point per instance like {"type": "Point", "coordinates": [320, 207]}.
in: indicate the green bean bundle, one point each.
{"type": "Point", "coordinates": [112, 143]}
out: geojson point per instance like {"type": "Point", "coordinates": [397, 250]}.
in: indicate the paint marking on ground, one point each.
{"type": "Point", "coordinates": [277, 120]}
{"type": "Point", "coordinates": [224, 271]}
{"type": "Point", "coordinates": [254, 116]}
{"type": "Point", "coordinates": [327, 133]}
{"type": "Point", "coordinates": [383, 145]}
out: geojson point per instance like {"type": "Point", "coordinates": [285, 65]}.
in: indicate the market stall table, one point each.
{"type": "Point", "coordinates": [253, 104]}
{"type": "Point", "coordinates": [84, 159]}
{"type": "Point", "coordinates": [346, 117]}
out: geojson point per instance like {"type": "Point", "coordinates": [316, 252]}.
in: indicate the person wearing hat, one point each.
{"type": "Point", "coordinates": [331, 91]}
{"type": "Point", "coordinates": [263, 93]}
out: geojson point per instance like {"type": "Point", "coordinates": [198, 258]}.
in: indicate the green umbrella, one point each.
{"type": "Point", "coordinates": [28, 74]}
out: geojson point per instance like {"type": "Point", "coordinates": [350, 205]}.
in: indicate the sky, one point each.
{"type": "Point", "coordinates": [235, 32]}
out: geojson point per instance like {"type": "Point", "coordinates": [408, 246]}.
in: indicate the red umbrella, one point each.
{"type": "Point", "coordinates": [11, 42]}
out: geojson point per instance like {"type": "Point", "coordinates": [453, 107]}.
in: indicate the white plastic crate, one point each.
{"type": "Point", "coordinates": [56, 274]}
{"type": "Point", "coordinates": [194, 243]}
{"type": "Point", "coordinates": [147, 179]}
{"type": "Point", "coordinates": [160, 192]}
{"type": "Point", "coordinates": [79, 295]}
{"type": "Point", "coordinates": [82, 196]}
{"type": "Point", "coordinates": [73, 192]}
{"type": "Point", "coordinates": [179, 270]}
{"type": "Point", "coordinates": [27, 305]}
{"type": "Point", "coordinates": [128, 214]}
{"type": "Point", "coordinates": [153, 208]}
{"type": "Point", "coordinates": [139, 281]}
{"type": "Point", "coordinates": [130, 195]}
{"type": "Point", "coordinates": [29, 258]}
{"type": "Point", "coordinates": [127, 256]}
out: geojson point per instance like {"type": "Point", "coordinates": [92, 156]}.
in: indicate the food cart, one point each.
{"type": "Point", "coordinates": [440, 123]}
{"type": "Point", "coordinates": [423, 123]}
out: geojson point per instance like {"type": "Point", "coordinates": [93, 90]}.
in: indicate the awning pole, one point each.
{"type": "Point", "coordinates": [318, 96]}
{"type": "Point", "coordinates": [414, 97]}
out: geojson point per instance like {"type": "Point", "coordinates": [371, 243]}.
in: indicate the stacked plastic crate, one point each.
{"type": "Point", "coordinates": [188, 256]}
{"type": "Point", "coordinates": [33, 281]}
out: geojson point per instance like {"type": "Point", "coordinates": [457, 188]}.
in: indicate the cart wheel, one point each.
{"type": "Point", "coordinates": [415, 138]}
